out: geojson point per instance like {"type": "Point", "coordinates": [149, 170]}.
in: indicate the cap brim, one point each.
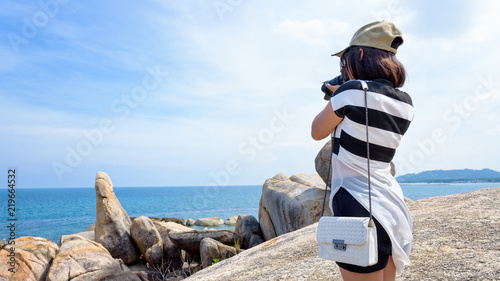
{"type": "Point", "coordinates": [339, 54]}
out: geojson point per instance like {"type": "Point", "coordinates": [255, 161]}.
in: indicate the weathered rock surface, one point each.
{"type": "Point", "coordinates": [176, 220]}
{"type": "Point", "coordinates": [255, 240]}
{"type": "Point", "coordinates": [212, 251]}
{"type": "Point", "coordinates": [292, 256]}
{"type": "Point", "coordinates": [112, 226]}
{"type": "Point", "coordinates": [80, 259]}
{"type": "Point", "coordinates": [190, 222]}
{"type": "Point", "coordinates": [148, 239]}
{"type": "Point", "coordinates": [90, 227]}
{"type": "Point", "coordinates": [213, 221]}
{"type": "Point", "coordinates": [247, 227]}
{"type": "Point", "coordinates": [142, 271]}
{"type": "Point", "coordinates": [33, 256]}
{"type": "Point", "coordinates": [288, 204]}
{"type": "Point", "coordinates": [231, 221]}
{"type": "Point", "coordinates": [456, 237]}
{"type": "Point", "coordinates": [190, 241]}
{"type": "Point", "coordinates": [322, 163]}
{"type": "Point", "coordinates": [172, 253]}
{"type": "Point", "coordinates": [86, 234]}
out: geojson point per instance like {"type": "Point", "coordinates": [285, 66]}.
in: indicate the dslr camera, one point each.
{"type": "Point", "coordinates": [335, 81]}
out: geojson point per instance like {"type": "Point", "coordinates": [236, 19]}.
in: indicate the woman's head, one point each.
{"type": "Point", "coordinates": [367, 63]}
{"type": "Point", "coordinates": [372, 52]}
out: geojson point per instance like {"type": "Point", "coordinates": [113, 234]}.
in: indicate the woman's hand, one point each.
{"type": "Point", "coordinates": [332, 87]}
{"type": "Point", "coordinates": [326, 121]}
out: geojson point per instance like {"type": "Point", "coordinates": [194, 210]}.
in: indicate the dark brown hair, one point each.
{"type": "Point", "coordinates": [375, 63]}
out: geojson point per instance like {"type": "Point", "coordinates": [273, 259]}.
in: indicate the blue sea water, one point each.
{"type": "Point", "coordinates": [52, 212]}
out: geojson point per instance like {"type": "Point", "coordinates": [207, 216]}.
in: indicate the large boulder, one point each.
{"type": "Point", "coordinates": [80, 259]}
{"type": "Point", "coordinates": [85, 234]}
{"type": "Point", "coordinates": [213, 221]}
{"type": "Point", "coordinates": [148, 239]}
{"type": "Point", "coordinates": [288, 204]}
{"type": "Point", "coordinates": [322, 163]}
{"type": "Point", "coordinates": [212, 251]}
{"type": "Point", "coordinates": [30, 258]}
{"type": "Point", "coordinates": [248, 229]}
{"type": "Point", "coordinates": [176, 220]}
{"type": "Point", "coordinates": [292, 256]}
{"type": "Point", "coordinates": [190, 241]}
{"type": "Point", "coordinates": [455, 238]}
{"type": "Point", "coordinates": [172, 253]}
{"type": "Point", "coordinates": [231, 220]}
{"type": "Point", "coordinates": [112, 224]}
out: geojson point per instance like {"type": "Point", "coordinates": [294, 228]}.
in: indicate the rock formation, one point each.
{"type": "Point", "coordinates": [455, 238]}
{"type": "Point", "coordinates": [148, 239]}
{"type": "Point", "coordinates": [85, 234]}
{"type": "Point", "coordinates": [80, 259]}
{"type": "Point", "coordinates": [231, 221]}
{"type": "Point", "coordinates": [292, 256]}
{"type": "Point", "coordinates": [112, 226]}
{"type": "Point", "coordinates": [33, 256]}
{"type": "Point", "coordinates": [190, 241]}
{"type": "Point", "coordinates": [176, 220]}
{"type": "Point", "coordinates": [322, 162]}
{"type": "Point", "coordinates": [172, 254]}
{"type": "Point", "coordinates": [213, 221]}
{"type": "Point", "coordinates": [248, 229]}
{"type": "Point", "coordinates": [288, 204]}
{"type": "Point", "coordinates": [212, 251]}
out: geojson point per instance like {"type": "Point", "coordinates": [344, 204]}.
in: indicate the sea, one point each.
{"type": "Point", "coordinates": [53, 212]}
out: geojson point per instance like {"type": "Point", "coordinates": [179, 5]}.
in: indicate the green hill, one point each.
{"type": "Point", "coordinates": [444, 176]}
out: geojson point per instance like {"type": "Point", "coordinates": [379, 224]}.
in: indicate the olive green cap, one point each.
{"type": "Point", "coordinates": [378, 34]}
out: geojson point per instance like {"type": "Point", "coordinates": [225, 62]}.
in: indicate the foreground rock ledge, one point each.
{"type": "Point", "coordinates": [456, 237]}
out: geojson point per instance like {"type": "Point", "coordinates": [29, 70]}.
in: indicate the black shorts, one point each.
{"type": "Point", "coordinates": [346, 206]}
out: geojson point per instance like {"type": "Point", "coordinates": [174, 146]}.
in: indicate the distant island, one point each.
{"type": "Point", "coordinates": [451, 176]}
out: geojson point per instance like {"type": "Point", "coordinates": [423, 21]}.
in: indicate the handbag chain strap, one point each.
{"type": "Point", "coordinates": [365, 89]}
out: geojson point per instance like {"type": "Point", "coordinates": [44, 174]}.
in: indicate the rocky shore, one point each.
{"type": "Point", "coordinates": [456, 237]}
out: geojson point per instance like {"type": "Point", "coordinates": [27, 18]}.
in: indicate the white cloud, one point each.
{"type": "Point", "coordinates": [228, 77]}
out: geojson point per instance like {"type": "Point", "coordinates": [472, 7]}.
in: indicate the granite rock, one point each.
{"type": "Point", "coordinates": [176, 220]}
{"type": "Point", "coordinates": [212, 251]}
{"type": "Point", "coordinates": [172, 254]}
{"type": "Point", "coordinates": [112, 226]}
{"type": "Point", "coordinates": [148, 240]}
{"type": "Point", "coordinates": [231, 221]}
{"type": "Point", "coordinates": [33, 256]}
{"type": "Point", "coordinates": [288, 204]}
{"type": "Point", "coordinates": [247, 227]}
{"type": "Point", "coordinates": [190, 241]}
{"type": "Point", "coordinates": [80, 259]}
{"type": "Point", "coordinates": [455, 238]}
{"type": "Point", "coordinates": [213, 221]}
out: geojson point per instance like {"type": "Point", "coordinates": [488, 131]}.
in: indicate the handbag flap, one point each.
{"type": "Point", "coordinates": [352, 230]}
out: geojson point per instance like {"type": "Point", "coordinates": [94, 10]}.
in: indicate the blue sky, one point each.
{"type": "Point", "coordinates": [162, 93]}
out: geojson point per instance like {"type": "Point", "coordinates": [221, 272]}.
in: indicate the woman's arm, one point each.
{"type": "Point", "coordinates": [326, 121]}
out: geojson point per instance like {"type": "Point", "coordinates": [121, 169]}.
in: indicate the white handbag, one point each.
{"type": "Point", "coordinates": [351, 240]}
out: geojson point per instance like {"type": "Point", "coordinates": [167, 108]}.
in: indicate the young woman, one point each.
{"type": "Point", "coordinates": [370, 57]}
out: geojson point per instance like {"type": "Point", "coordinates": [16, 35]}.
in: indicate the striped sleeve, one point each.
{"type": "Point", "coordinates": [340, 101]}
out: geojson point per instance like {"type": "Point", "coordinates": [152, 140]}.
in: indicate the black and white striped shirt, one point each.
{"type": "Point", "coordinates": [390, 112]}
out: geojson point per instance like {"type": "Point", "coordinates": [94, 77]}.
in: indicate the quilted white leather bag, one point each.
{"type": "Point", "coordinates": [351, 240]}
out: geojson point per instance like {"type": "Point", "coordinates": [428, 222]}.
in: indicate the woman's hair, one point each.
{"type": "Point", "coordinates": [376, 63]}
